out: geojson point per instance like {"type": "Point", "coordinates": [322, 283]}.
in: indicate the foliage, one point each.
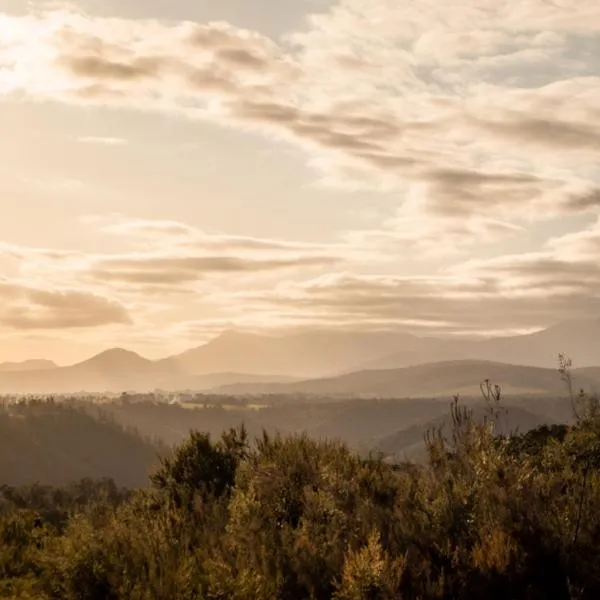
{"type": "Point", "coordinates": [57, 443]}
{"type": "Point", "coordinates": [489, 515]}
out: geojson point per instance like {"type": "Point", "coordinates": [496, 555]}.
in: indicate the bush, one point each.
{"type": "Point", "coordinates": [286, 518]}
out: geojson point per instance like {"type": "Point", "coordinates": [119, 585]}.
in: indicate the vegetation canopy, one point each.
{"type": "Point", "coordinates": [487, 515]}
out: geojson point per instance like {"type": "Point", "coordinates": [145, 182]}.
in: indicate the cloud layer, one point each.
{"type": "Point", "coordinates": [26, 307]}
{"type": "Point", "coordinates": [522, 291]}
{"type": "Point", "coordinates": [212, 282]}
{"type": "Point", "coordinates": [470, 109]}
{"type": "Point", "coordinates": [481, 117]}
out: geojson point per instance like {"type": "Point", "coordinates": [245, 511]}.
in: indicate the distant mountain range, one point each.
{"type": "Point", "coordinates": [432, 380]}
{"type": "Point", "coordinates": [28, 365]}
{"type": "Point", "coordinates": [308, 354]}
{"type": "Point", "coordinates": [329, 362]}
{"type": "Point", "coordinates": [118, 370]}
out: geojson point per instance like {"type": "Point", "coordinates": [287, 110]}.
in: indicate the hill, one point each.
{"type": "Point", "coordinates": [115, 370]}
{"type": "Point", "coordinates": [119, 370]}
{"type": "Point", "coordinates": [579, 339]}
{"type": "Point", "coordinates": [215, 380]}
{"type": "Point", "coordinates": [293, 517]}
{"type": "Point", "coordinates": [52, 444]}
{"type": "Point", "coordinates": [241, 358]}
{"type": "Point", "coordinates": [28, 365]}
{"type": "Point", "coordinates": [408, 443]}
{"type": "Point", "coordinates": [442, 379]}
{"type": "Point", "coordinates": [308, 354]}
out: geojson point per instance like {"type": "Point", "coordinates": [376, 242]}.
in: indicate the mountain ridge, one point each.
{"type": "Point", "coordinates": [438, 379]}
{"type": "Point", "coordinates": [33, 364]}
{"type": "Point", "coordinates": [303, 356]}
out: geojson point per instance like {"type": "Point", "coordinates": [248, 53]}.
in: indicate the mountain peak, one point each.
{"type": "Point", "coordinates": [230, 334]}
{"type": "Point", "coordinates": [235, 336]}
{"type": "Point", "coordinates": [117, 352]}
{"type": "Point", "coordinates": [28, 365]}
{"type": "Point", "coordinates": [117, 356]}
{"type": "Point", "coordinates": [575, 325]}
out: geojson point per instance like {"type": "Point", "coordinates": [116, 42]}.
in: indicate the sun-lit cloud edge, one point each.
{"type": "Point", "coordinates": [453, 146]}
{"type": "Point", "coordinates": [500, 294]}
{"type": "Point", "coordinates": [426, 104]}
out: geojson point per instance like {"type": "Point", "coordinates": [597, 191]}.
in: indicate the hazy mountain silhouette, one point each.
{"type": "Point", "coordinates": [236, 358]}
{"type": "Point", "coordinates": [113, 370]}
{"type": "Point", "coordinates": [215, 380]}
{"type": "Point", "coordinates": [119, 370]}
{"type": "Point", "coordinates": [309, 354]}
{"type": "Point", "coordinates": [115, 358]}
{"type": "Point", "coordinates": [429, 352]}
{"type": "Point", "coordinates": [579, 339]}
{"type": "Point", "coordinates": [442, 379]}
{"type": "Point", "coordinates": [323, 353]}
{"type": "Point", "coordinates": [28, 365]}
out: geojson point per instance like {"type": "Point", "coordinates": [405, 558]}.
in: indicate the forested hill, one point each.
{"type": "Point", "coordinates": [286, 518]}
{"type": "Point", "coordinates": [51, 443]}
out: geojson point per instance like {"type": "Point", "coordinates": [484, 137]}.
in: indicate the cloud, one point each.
{"type": "Point", "coordinates": [578, 246]}
{"type": "Point", "coordinates": [25, 307]}
{"type": "Point", "coordinates": [504, 293]}
{"type": "Point", "coordinates": [176, 270]}
{"type": "Point", "coordinates": [426, 238]}
{"type": "Point", "coordinates": [545, 132]}
{"type": "Point", "coordinates": [103, 141]}
{"type": "Point", "coordinates": [187, 274]}
{"type": "Point", "coordinates": [441, 103]}
{"type": "Point", "coordinates": [145, 229]}
{"type": "Point", "coordinates": [175, 234]}
{"type": "Point", "coordinates": [437, 304]}
{"type": "Point", "coordinates": [167, 256]}
{"type": "Point", "coordinates": [481, 118]}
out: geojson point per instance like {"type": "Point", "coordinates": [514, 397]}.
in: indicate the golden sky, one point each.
{"type": "Point", "coordinates": [173, 169]}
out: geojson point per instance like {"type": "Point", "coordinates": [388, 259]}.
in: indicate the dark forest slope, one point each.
{"type": "Point", "coordinates": [55, 444]}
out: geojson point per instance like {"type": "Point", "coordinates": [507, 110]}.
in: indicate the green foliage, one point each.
{"type": "Point", "coordinates": [200, 467]}
{"type": "Point", "coordinates": [370, 574]}
{"type": "Point", "coordinates": [489, 515]}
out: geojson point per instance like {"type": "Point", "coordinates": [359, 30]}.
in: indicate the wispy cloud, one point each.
{"type": "Point", "coordinates": [27, 307]}
{"type": "Point", "coordinates": [482, 118]}
{"type": "Point", "coordinates": [503, 293]}
{"type": "Point", "coordinates": [168, 256]}
{"type": "Point", "coordinates": [444, 103]}
{"type": "Point", "coordinates": [533, 289]}
{"type": "Point", "coordinates": [103, 141]}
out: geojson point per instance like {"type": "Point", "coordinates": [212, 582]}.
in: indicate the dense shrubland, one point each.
{"type": "Point", "coordinates": [487, 516]}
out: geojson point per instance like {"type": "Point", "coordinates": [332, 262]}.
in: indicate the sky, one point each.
{"type": "Point", "coordinates": [171, 170]}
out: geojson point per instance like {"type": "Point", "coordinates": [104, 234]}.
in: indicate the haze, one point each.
{"type": "Point", "coordinates": [171, 171]}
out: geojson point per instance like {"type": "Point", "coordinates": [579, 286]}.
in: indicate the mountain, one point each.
{"type": "Point", "coordinates": [309, 354]}
{"type": "Point", "coordinates": [116, 358]}
{"type": "Point", "coordinates": [235, 358]}
{"type": "Point", "coordinates": [115, 370]}
{"type": "Point", "coordinates": [28, 365]}
{"type": "Point", "coordinates": [119, 370]}
{"type": "Point", "coordinates": [578, 339]}
{"type": "Point", "coordinates": [588, 373]}
{"type": "Point", "coordinates": [427, 351]}
{"type": "Point", "coordinates": [443, 379]}
{"type": "Point", "coordinates": [216, 380]}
